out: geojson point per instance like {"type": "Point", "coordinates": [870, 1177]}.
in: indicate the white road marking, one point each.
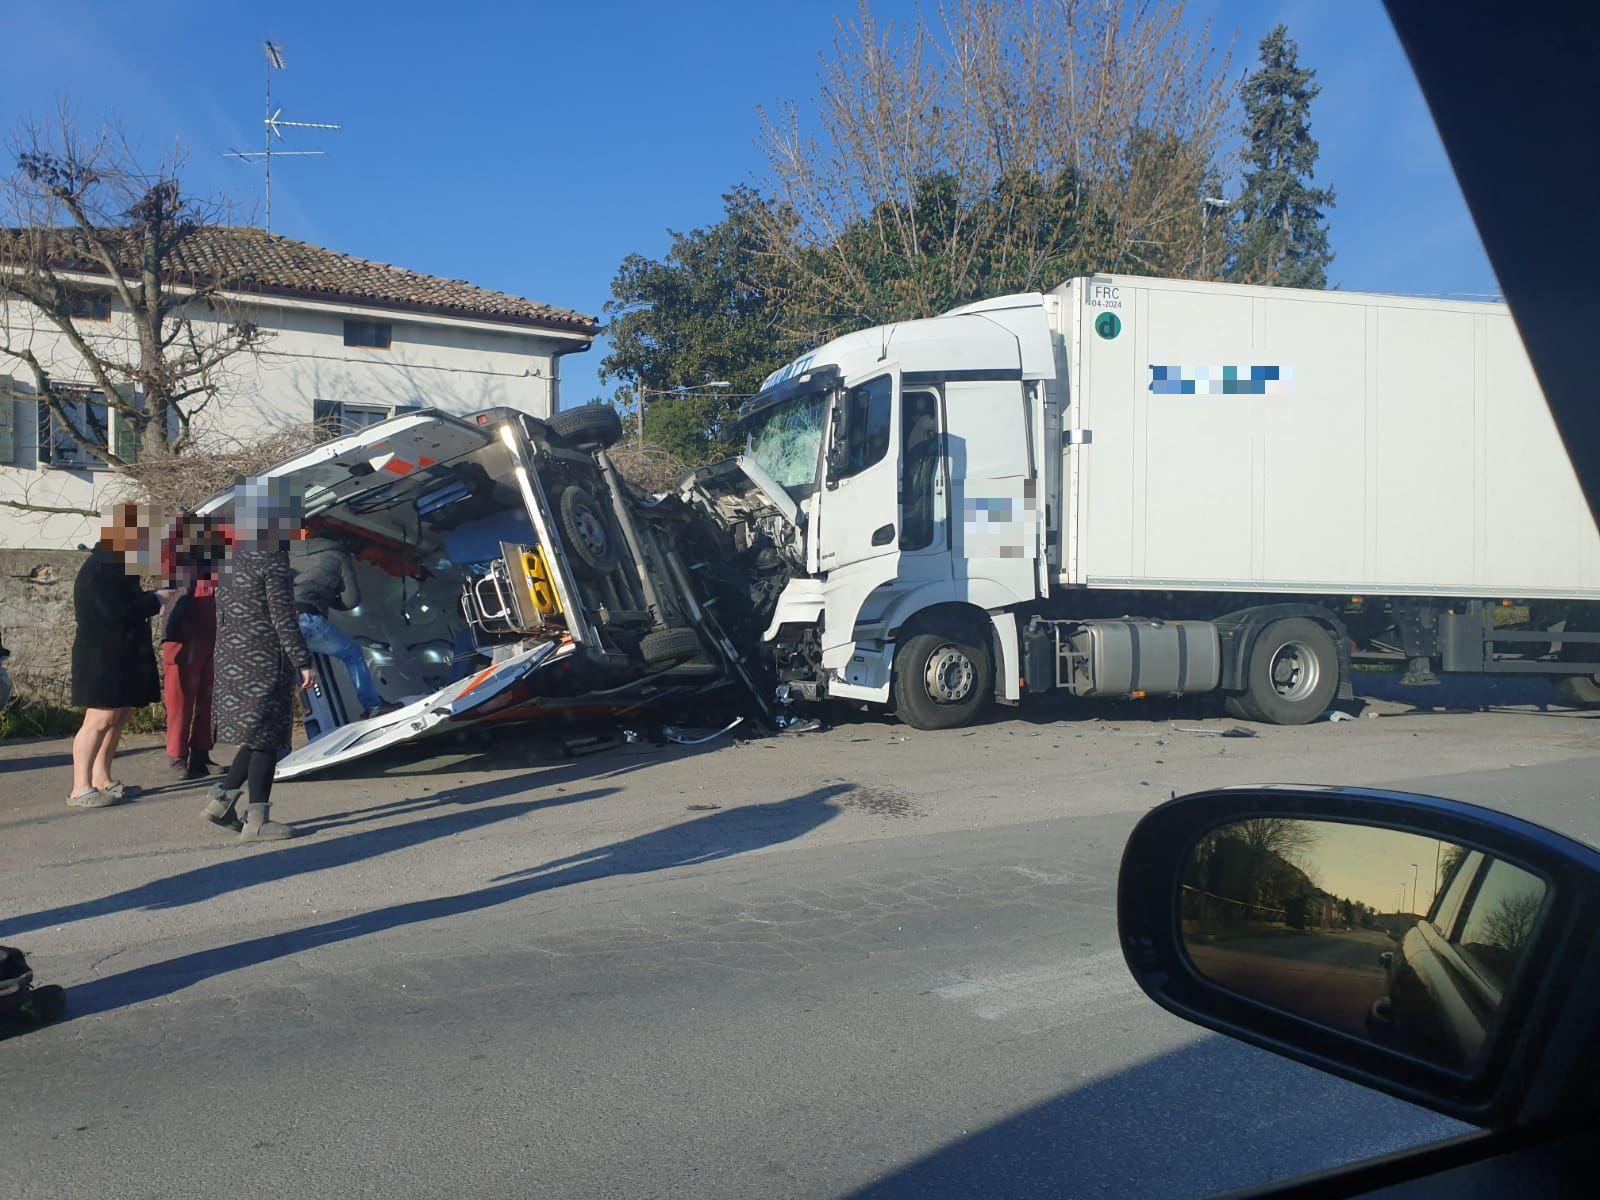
{"type": "Point", "coordinates": [1076, 988]}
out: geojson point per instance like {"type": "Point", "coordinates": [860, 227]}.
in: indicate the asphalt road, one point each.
{"type": "Point", "coordinates": [867, 961]}
{"type": "Point", "coordinates": [1327, 976]}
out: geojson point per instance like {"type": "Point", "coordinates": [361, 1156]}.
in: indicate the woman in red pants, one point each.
{"type": "Point", "coordinates": [188, 643]}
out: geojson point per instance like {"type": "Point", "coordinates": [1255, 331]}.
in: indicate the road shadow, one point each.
{"type": "Point", "coordinates": [705, 839]}
{"type": "Point", "coordinates": [1207, 1118]}
{"type": "Point", "coordinates": [244, 870]}
{"type": "Point", "coordinates": [59, 758]}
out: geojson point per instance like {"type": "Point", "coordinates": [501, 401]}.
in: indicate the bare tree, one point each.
{"type": "Point", "coordinates": [114, 284]}
{"type": "Point", "coordinates": [1015, 144]}
{"type": "Point", "coordinates": [1510, 924]}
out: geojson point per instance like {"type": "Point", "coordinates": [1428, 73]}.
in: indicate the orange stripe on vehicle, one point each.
{"type": "Point", "coordinates": [476, 680]}
{"type": "Point", "coordinates": [399, 466]}
{"type": "Point", "coordinates": [425, 461]}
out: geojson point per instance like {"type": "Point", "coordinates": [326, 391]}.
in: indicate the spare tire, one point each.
{"type": "Point", "coordinates": [588, 426]}
{"type": "Point", "coordinates": [586, 530]}
{"type": "Point", "coordinates": [663, 647]}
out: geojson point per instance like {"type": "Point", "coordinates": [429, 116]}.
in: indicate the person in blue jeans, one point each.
{"type": "Point", "coordinates": [324, 580]}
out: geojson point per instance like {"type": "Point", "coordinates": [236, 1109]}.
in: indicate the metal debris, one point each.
{"type": "Point", "coordinates": [686, 737]}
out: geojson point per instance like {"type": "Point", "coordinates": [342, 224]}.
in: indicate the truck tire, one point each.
{"type": "Point", "coordinates": [1580, 691]}
{"type": "Point", "coordinates": [1292, 675]}
{"type": "Point", "coordinates": [941, 681]}
{"type": "Point", "coordinates": [587, 426]}
{"type": "Point", "coordinates": [664, 647]}
{"type": "Point", "coordinates": [586, 530]}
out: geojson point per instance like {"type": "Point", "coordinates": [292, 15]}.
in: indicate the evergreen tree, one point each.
{"type": "Point", "coordinates": [1279, 233]}
{"type": "Point", "coordinates": [709, 309]}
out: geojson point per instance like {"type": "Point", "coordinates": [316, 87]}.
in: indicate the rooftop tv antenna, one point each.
{"type": "Point", "coordinates": [274, 126]}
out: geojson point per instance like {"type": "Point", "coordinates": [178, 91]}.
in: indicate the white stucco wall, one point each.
{"type": "Point", "coordinates": [458, 365]}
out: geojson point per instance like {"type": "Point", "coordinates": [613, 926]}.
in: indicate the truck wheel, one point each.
{"type": "Point", "coordinates": [941, 682]}
{"type": "Point", "coordinates": [664, 647]}
{"type": "Point", "coordinates": [1293, 673]}
{"type": "Point", "coordinates": [586, 530]}
{"type": "Point", "coordinates": [588, 425]}
{"type": "Point", "coordinates": [1580, 691]}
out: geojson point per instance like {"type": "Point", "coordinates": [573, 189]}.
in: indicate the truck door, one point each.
{"type": "Point", "coordinates": [859, 517]}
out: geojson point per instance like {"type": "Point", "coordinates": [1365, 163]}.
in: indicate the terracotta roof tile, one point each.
{"type": "Point", "coordinates": [252, 260]}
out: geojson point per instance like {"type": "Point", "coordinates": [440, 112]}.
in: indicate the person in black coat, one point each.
{"type": "Point", "coordinates": [113, 661]}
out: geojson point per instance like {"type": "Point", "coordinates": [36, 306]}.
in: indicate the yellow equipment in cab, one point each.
{"type": "Point", "coordinates": [540, 587]}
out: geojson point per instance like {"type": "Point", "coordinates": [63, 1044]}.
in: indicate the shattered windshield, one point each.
{"type": "Point", "coordinates": [787, 440]}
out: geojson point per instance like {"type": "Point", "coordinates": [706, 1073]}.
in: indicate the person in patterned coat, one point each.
{"type": "Point", "coordinates": [261, 656]}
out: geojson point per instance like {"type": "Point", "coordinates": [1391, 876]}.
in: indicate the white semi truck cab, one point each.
{"type": "Point", "coordinates": [1142, 487]}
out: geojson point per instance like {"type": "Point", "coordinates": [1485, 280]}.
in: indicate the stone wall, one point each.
{"type": "Point", "coordinates": [36, 620]}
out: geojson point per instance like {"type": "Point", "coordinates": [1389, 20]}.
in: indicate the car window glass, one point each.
{"type": "Point", "coordinates": [1500, 921]}
{"type": "Point", "coordinates": [920, 452]}
{"type": "Point", "coordinates": [1460, 880]}
{"type": "Point", "coordinates": [868, 425]}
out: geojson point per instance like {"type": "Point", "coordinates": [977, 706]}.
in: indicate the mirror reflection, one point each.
{"type": "Point", "coordinates": [1378, 933]}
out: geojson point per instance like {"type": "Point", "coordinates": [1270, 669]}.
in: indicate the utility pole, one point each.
{"type": "Point", "coordinates": [1207, 203]}
{"type": "Point", "coordinates": [1413, 885]}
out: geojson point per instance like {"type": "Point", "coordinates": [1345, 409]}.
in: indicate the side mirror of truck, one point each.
{"type": "Point", "coordinates": [1437, 951]}
{"type": "Point", "coordinates": [838, 460]}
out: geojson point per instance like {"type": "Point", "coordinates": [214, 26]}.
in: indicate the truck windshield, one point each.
{"type": "Point", "coordinates": [787, 441]}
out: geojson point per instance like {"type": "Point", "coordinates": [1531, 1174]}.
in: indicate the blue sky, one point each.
{"type": "Point", "coordinates": [530, 147]}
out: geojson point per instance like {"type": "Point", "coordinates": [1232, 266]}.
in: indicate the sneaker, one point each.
{"type": "Point", "coordinates": [197, 768]}
{"type": "Point", "coordinates": [178, 766]}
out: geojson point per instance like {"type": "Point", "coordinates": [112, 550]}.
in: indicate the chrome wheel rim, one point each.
{"type": "Point", "coordinates": [950, 675]}
{"type": "Point", "coordinates": [1294, 670]}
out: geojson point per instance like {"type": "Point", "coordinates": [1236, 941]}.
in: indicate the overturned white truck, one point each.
{"type": "Point", "coordinates": [1143, 487]}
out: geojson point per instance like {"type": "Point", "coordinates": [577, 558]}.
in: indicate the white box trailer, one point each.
{"type": "Point", "coordinates": [1227, 438]}
{"type": "Point", "coordinates": [1135, 486]}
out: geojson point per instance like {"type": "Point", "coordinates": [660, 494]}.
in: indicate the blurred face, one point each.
{"type": "Point", "coordinates": [131, 530]}
{"type": "Point", "coordinates": [266, 512]}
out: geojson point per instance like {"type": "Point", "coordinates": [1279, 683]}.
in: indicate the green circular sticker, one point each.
{"type": "Point", "coordinates": [1108, 325]}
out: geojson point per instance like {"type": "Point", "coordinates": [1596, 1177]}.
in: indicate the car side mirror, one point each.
{"type": "Point", "coordinates": [1437, 951]}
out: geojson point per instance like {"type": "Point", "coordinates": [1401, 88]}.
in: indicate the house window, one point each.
{"type": "Point", "coordinates": [335, 418]}
{"type": "Point", "coordinates": [89, 306]}
{"type": "Point", "coordinates": [375, 334]}
{"type": "Point", "coordinates": [67, 440]}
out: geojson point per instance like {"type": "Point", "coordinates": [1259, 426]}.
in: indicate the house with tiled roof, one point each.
{"type": "Point", "coordinates": [348, 342]}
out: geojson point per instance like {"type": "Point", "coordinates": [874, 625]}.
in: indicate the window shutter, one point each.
{"type": "Point", "coordinates": [47, 443]}
{"type": "Point", "coordinates": [126, 438]}
{"type": "Point", "coordinates": [8, 445]}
